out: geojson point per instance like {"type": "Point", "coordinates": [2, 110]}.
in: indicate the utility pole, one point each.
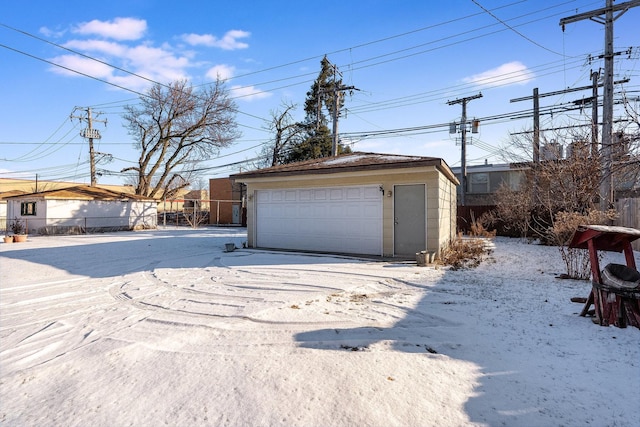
{"type": "Point", "coordinates": [536, 143]}
{"type": "Point", "coordinates": [90, 133]}
{"type": "Point", "coordinates": [463, 131]}
{"type": "Point", "coordinates": [594, 113]}
{"type": "Point", "coordinates": [606, 187]}
{"type": "Point", "coordinates": [536, 120]}
{"type": "Point", "coordinates": [536, 127]}
{"type": "Point", "coordinates": [594, 88]}
{"type": "Point", "coordinates": [336, 91]}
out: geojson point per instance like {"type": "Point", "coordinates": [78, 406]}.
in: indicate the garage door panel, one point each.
{"type": "Point", "coordinates": [354, 193]}
{"type": "Point", "coordinates": [319, 194]}
{"type": "Point", "coordinates": [353, 211]}
{"type": "Point", "coordinates": [371, 193]}
{"type": "Point", "coordinates": [332, 219]}
{"type": "Point", "coordinates": [336, 194]}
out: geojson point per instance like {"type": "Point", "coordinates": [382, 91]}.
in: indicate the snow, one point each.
{"type": "Point", "coordinates": [344, 159]}
{"type": "Point", "coordinates": [351, 158]}
{"type": "Point", "coordinates": [164, 327]}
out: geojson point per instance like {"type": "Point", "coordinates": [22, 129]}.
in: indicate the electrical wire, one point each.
{"type": "Point", "coordinates": [295, 62]}
{"type": "Point", "coordinates": [514, 30]}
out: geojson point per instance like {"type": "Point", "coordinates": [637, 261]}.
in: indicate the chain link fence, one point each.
{"type": "Point", "coordinates": [81, 225]}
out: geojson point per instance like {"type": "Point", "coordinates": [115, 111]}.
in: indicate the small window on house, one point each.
{"type": "Point", "coordinates": [497, 179]}
{"type": "Point", "coordinates": [27, 208]}
{"type": "Point", "coordinates": [479, 183]}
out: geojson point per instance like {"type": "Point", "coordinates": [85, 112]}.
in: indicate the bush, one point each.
{"type": "Point", "coordinates": [464, 253]}
{"type": "Point", "coordinates": [565, 224]}
{"type": "Point", "coordinates": [479, 226]}
{"type": "Point", "coordinates": [17, 227]}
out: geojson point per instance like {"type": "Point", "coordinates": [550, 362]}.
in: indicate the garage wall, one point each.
{"type": "Point", "coordinates": [447, 215]}
{"type": "Point", "coordinates": [386, 178]}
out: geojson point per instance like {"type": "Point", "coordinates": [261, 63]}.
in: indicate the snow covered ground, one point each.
{"type": "Point", "coordinates": [166, 328]}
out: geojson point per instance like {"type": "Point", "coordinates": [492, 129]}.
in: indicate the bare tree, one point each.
{"type": "Point", "coordinates": [550, 186]}
{"type": "Point", "coordinates": [175, 127]}
{"type": "Point", "coordinates": [626, 165]}
{"type": "Point", "coordinates": [286, 132]}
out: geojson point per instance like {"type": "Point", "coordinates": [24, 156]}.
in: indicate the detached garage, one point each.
{"type": "Point", "coordinates": [358, 203]}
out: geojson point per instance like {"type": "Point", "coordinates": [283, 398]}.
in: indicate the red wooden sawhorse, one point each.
{"type": "Point", "coordinates": [611, 307]}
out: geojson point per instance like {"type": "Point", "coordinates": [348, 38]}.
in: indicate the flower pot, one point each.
{"type": "Point", "coordinates": [20, 238]}
{"type": "Point", "coordinates": [8, 239]}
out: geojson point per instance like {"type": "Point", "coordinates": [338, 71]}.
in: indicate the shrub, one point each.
{"type": "Point", "coordinates": [565, 224]}
{"type": "Point", "coordinates": [478, 227]}
{"type": "Point", "coordinates": [464, 253]}
{"type": "Point", "coordinates": [17, 227]}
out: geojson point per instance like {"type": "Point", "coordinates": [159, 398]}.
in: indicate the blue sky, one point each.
{"type": "Point", "coordinates": [406, 58]}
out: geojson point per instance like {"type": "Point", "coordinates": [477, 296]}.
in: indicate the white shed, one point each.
{"type": "Point", "coordinates": [81, 209]}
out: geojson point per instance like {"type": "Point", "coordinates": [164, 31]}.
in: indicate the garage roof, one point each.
{"type": "Point", "coordinates": [80, 192]}
{"type": "Point", "coordinates": [357, 161]}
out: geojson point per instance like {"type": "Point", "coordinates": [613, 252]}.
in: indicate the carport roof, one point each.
{"type": "Point", "coordinates": [351, 162]}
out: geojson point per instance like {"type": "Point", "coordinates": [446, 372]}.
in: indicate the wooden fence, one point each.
{"type": "Point", "coordinates": [629, 211]}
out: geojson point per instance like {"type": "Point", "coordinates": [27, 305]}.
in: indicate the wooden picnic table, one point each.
{"type": "Point", "coordinates": [619, 306]}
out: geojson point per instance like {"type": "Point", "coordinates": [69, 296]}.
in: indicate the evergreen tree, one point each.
{"type": "Point", "coordinates": [317, 139]}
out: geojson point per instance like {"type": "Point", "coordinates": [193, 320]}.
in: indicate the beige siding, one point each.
{"type": "Point", "coordinates": [440, 198]}
{"type": "Point", "coordinates": [447, 204]}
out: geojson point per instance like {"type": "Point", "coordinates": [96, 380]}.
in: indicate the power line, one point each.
{"type": "Point", "coordinates": [78, 53]}
{"type": "Point", "coordinates": [71, 70]}
{"type": "Point", "coordinates": [364, 44]}
{"type": "Point", "coordinates": [303, 60]}
{"type": "Point", "coordinates": [514, 30]}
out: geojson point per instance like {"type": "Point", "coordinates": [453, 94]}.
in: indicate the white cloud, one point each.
{"type": "Point", "coordinates": [109, 48]}
{"type": "Point", "coordinates": [222, 71]}
{"type": "Point", "coordinates": [164, 75]}
{"type": "Point", "coordinates": [506, 74]}
{"type": "Point", "coordinates": [199, 39]}
{"type": "Point", "coordinates": [118, 29]}
{"type": "Point", "coordinates": [119, 42]}
{"type": "Point", "coordinates": [81, 65]}
{"type": "Point", "coordinates": [147, 56]}
{"type": "Point", "coordinates": [248, 93]}
{"type": "Point", "coordinates": [228, 42]}
{"type": "Point", "coordinates": [153, 63]}
{"type": "Point", "coordinates": [48, 32]}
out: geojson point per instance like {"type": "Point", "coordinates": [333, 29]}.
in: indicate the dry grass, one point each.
{"type": "Point", "coordinates": [478, 228]}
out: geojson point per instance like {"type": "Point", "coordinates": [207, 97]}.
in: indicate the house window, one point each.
{"type": "Point", "coordinates": [479, 183]}
{"type": "Point", "coordinates": [27, 208]}
{"type": "Point", "coordinates": [497, 179]}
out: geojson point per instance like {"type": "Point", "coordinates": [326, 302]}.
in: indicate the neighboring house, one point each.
{"type": "Point", "coordinates": [484, 180]}
{"type": "Point", "coordinates": [358, 203]}
{"type": "Point", "coordinates": [81, 209]}
{"type": "Point", "coordinates": [196, 201]}
{"type": "Point", "coordinates": [36, 186]}
{"type": "Point", "coordinates": [3, 207]}
{"type": "Point", "coordinates": [227, 202]}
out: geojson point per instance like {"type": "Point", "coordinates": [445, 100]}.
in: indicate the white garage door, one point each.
{"type": "Point", "coordinates": [333, 219]}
